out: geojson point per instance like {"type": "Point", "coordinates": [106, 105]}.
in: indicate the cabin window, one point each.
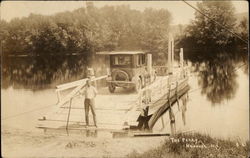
{"type": "Point", "coordinates": [121, 60]}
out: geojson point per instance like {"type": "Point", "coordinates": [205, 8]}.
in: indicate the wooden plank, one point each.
{"type": "Point", "coordinates": [150, 134]}
{"type": "Point", "coordinates": [103, 109]}
{"type": "Point", "coordinates": [77, 83]}
{"type": "Point", "coordinates": [60, 124]}
{"type": "Point", "coordinates": [70, 85]}
{"type": "Point", "coordinates": [129, 82]}
{"type": "Point", "coordinates": [71, 121]}
{"type": "Point", "coordinates": [69, 113]}
{"type": "Point", "coordinates": [165, 107]}
{"type": "Point", "coordinates": [160, 66]}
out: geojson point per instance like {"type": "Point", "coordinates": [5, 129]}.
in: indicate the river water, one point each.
{"type": "Point", "coordinates": [228, 119]}
{"type": "Point", "coordinates": [218, 104]}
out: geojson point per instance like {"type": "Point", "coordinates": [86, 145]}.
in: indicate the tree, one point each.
{"type": "Point", "coordinates": [243, 28]}
{"type": "Point", "coordinates": [154, 32]}
{"type": "Point", "coordinates": [206, 32]}
{"type": "Point", "coordinates": [51, 42]}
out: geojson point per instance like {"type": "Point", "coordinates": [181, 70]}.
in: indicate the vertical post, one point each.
{"type": "Point", "coordinates": [95, 83]}
{"type": "Point", "coordinates": [149, 66]}
{"type": "Point", "coordinates": [177, 96]}
{"type": "Point", "coordinates": [59, 96]}
{"type": "Point", "coordinates": [166, 84]}
{"type": "Point", "coordinates": [69, 113]}
{"type": "Point", "coordinates": [140, 99]}
{"type": "Point", "coordinates": [181, 58]}
{"type": "Point", "coordinates": [161, 86]}
{"type": "Point", "coordinates": [147, 97]}
{"type": "Point", "coordinates": [170, 54]}
{"type": "Point", "coordinates": [162, 122]}
{"type": "Point", "coordinates": [169, 95]}
{"type": "Point", "coordinates": [167, 81]}
{"type": "Point", "coordinates": [182, 64]}
{"type": "Point", "coordinates": [108, 71]}
{"type": "Point", "coordinates": [108, 75]}
{"type": "Point", "coordinates": [150, 95]}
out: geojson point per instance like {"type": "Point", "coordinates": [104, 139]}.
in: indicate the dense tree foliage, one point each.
{"type": "Point", "coordinates": [203, 32]}
{"type": "Point", "coordinates": [83, 30]}
{"type": "Point", "coordinates": [243, 28]}
{"type": "Point", "coordinates": [213, 50]}
{"type": "Point", "coordinates": [52, 42]}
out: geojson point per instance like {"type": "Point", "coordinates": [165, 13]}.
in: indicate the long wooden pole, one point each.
{"type": "Point", "coordinates": [70, 103]}
{"type": "Point", "coordinates": [170, 54]}
{"type": "Point", "coordinates": [177, 97]}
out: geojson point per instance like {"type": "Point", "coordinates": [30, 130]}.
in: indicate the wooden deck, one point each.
{"type": "Point", "coordinates": [118, 110]}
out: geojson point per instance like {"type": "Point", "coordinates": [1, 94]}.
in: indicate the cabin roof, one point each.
{"type": "Point", "coordinates": [119, 52]}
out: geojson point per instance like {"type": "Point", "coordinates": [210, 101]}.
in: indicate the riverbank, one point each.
{"type": "Point", "coordinates": [20, 143]}
{"type": "Point", "coordinates": [197, 146]}
{"type": "Point", "coordinates": [36, 144]}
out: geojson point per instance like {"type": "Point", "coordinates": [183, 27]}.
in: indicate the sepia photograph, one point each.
{"type": "Point", "coordinates": [129, 79]}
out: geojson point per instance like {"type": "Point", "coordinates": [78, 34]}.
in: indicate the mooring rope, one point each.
{"type": "Point", "coordinates": [44, 107]}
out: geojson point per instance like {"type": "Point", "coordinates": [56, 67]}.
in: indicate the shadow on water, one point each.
{"type": "Point", "coordinates": [91, 133]}
{"type": "Point", "coordinates": [217, 73]}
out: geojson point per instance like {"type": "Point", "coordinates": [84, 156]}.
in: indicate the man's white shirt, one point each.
{"type": "Point", "coordinates": [90, 92]}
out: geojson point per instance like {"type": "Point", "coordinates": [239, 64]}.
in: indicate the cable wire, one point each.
{"type": "Point", "coordinates": [9, 117]}
{"type": "Point", "coordinates": [245, 41]}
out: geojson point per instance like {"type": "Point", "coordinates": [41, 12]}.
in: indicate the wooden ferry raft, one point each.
{"type": "Point", "coordinates": [119, 110]}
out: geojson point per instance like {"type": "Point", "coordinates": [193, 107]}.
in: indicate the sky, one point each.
{"type": "Point", "coordinates": [181, 12]}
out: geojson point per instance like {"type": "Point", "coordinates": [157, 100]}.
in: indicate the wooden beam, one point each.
{"type": "Point", "coordinates": [70, 103]}
{"type": "Point", "coordinates": [150, 134]}
{"type": "Point", "coordinates": [160, 66]}
{"type": "Point", "coordinates": [165, 107]}
{"type": "Point", "coordinates": [170, 53]}
{"type": "Point", "coordinates": [70, 85]}
{"type": "Point", "coordinates": [181, 58]}
{"type": "Point", "coordinates": [77, 83]}
{"type": "Point", "coordinates": [130, 82]}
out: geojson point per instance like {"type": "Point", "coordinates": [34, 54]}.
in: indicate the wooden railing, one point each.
{"type": "Point", "coordinates": [78, 86]}
{"type": "Point", "coordinates": [161, 70]}
{"type": "Point", "coordinates": [148, 95]}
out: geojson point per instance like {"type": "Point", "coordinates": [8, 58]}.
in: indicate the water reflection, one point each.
{"type": "Point", "coordinates": [184, 108]}
{"type": "Point", "coordinates": [217, 75]}
{"type": "Point", "coordinates": [39, 72]}
{"type": "Point", "coordinates": [91, 133]}
{"type": "Point", "coordinates": [86, 133]}
{"type": "Point", "coordinates": [36, 72]}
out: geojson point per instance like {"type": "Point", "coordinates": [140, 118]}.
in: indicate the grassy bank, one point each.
{"type": "Point", "coordinates": [197, 146]}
